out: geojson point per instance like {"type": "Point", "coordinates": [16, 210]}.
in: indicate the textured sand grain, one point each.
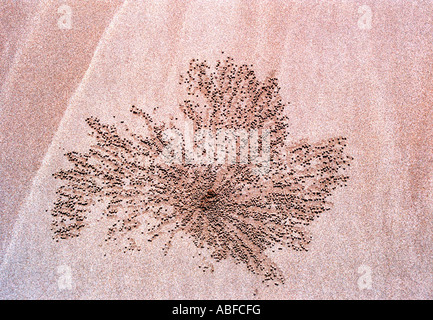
{"type": "Point", "coordinates": [372, 86]}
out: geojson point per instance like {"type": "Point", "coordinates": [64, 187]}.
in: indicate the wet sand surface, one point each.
{"type": "Point", "coordinates": [342, 77]}
{"type": "Point", "coordinates": [42, 66]}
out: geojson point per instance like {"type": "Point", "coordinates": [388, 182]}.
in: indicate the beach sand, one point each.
{"type": "Point", "coordinates": [343, 76]}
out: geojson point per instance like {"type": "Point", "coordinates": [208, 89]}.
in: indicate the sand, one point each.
{"type": "Point", "coordinates": [341, 75]}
